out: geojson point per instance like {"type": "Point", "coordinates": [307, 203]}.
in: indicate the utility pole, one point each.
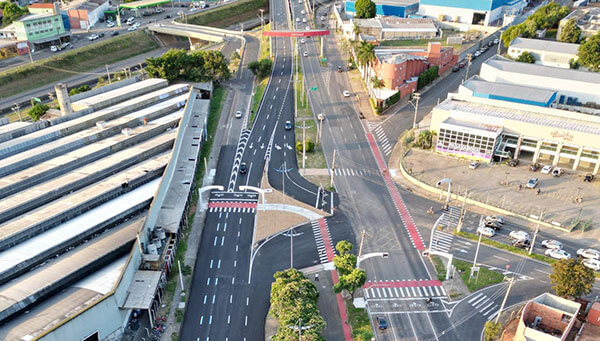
{"type": "Point", "coordinates": [462, 212]}
{"type": "Point", "coordinates": [17, 110]}
{"type": "Point", "coordinates": [469, 57]}
{"type": "Point", "coordinates": [262, 21]}
{"type": "Point", "coordinates": [416, 96]}
{"type": "Point", "coordinates": [478, 244]}
{"type": "Point", "coordinates": [510, 283]}
{"type": "Point", "coordinates": [304, 127]}
{"type": "Point", "coordinates": [537, 229]}
{"type": "Point", "coordinates": [320, 128]}
{"type": "Point", "coordinates": [332, 168]}
{"type": "Point", "coordinates": [107, 73]}
{"type": "Point", "coordinates": [29, 50]}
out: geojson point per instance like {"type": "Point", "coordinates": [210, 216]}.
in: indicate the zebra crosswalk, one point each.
{"type": "Point", "coordinates": [319, 241]}
{"type": "Point", "coordinates": [441, 241]}
{"type": "Point", "coordinates": [403, 292]}
{"type": "Point", "coordinates": [451, 217]}
{"type": "Point", "coordinates": [386, 147]}
{"type": "Point", "coordinates": [354, 172]}
{"type": "Point", "coordinates": [232, 209]}
{"type": "Point", "coordinates": [484, 305]}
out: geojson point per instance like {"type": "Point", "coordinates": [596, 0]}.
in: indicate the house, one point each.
{"type": "Point", "coordinates": [477, 12]}
{"type": "Point", "coordinates": [85, 14]}
{"type": "Point", "coordinates": [587, 19]}
{"type": "Point", "coordinates": [547, 317]}
{"type": "Point", "coordinates": [397, 8]}
{"type": "Point", "coordinates": [545, 52]}
{"type": "Point", "coordinates": [392, 28]}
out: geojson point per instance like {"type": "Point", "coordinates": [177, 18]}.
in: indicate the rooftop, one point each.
{"type": "Point", "coordinates": [37, 16]}
{"type": "Point", "coordinates": [518, 93]}
{"type": "Point", "coordinates": [588, 18]}
{"type": "Point", "coordinates": [408, 23]}
{"type": "Point", "coordinates": [545, 45]}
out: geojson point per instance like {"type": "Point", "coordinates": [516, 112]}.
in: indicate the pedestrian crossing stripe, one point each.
{"type": "Point", "coordinates": [391, 293]}
{"type": "Point", "coordinates": [321, 251]}
{"type": "Point", "coordinates": [232, 209]}
{"type": "Point", "coordinates": [484, 305]}
{"type": "Point", "coordinates": [354, 172]}
{"type": "Point", "coordinates": [441, 241]}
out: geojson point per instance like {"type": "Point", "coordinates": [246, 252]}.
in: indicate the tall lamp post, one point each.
{"type": "Point", "coordinates": [416, 97]}
{"type": "Point", "coordinates": [469, 58]}
{"type": "Point", "coordinates": [17, 110]}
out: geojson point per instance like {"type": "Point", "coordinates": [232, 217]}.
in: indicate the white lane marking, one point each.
{"type": "Point", "coordinates": [213, 300]}
{"type": "Point", "coordinates": [474, 298]}
{"type": "Point", "coordinates": [219, 264]}
{"type": "Point", "coordinates": [205, 298]}
{"type": "Point", "coordinates": [225, 226]}
{"type": "Point", "coordinates": [412, 326]}
{"type": "Point", "coordinates": [215, 243]}
{"type": "Point", "coordinates": [228, 319]}
{"type": "Point", "coordinates": [240, 220]}
{"type": "Point", "coordinates": [216, 281]}
{"type": "Point", "coordinates": [211, 263]}
{"type": "Point", "coordinates": [218, 225]}
{"type": "Point", "coordinates": [208, 281]}
{"type": "Point", "coordinates": [542, 271]}
{"type": "Point", "coordinates": [222, 240]}
{"type": "Point", "coordinates": [501, 258]}
{"type": "Point", "coordinates": [235, 263]}
{"type": "Point", "coordinates": [230, 298]}
{"type": "Point", "coordinates": [210, 319]}
{"type": "Point", "coordinates": [246, 322]}
{"type": "Point", "coordinates": [236, 248]}
{"type": "Point", "coordinates": [201, 320]}
{"type": "Point", "coordinates": [432, 328]}
{"type": "Point", "coordinates": [232, 280]}
{"type": "Point", "coordinates": [247, 301]}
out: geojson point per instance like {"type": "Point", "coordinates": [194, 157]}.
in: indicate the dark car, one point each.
{"type": "Point", "coordinates": [588, 178]}
{"type": "Point", "coordinates": [534, 167]}
{"type": "Point", "coordinates": [288, 125]}
{"type": "Point", "coordinates": [101, 35]}
{"type": "Point", "coordinates": [513, 163]}
{"type": "Point", "coordinates": [340, 68]}
{"type": "Point", "coordinates": [461, 65]}
{"type": "Point", "coordinates": [522, 243]}
{"type": "Point", "coordinates": [491, 43]}
{"type": "Point", "coordinates": [455, 68]}
{"type": "Point", "coordinates": [115, 33]}
{"type": "Point", "coordinates": [168, 16]}
{"type": "Point", "coordinates": [243, 168]}
{"type": "Point", "coordinates": [493, 224]}
{"type": "Point", "coordinates": [381, 323]}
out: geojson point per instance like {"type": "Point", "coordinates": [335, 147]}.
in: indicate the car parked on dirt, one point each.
{"type": "Point", "coordinates": [513, 163]}
{"type": "Point", "coordinates": [557, 254]}
{"type": "Point", "coordinates": [552, 244]}
{"type": "Point", "coordinates": [558, 172]}
{"type": "Point", "coordinates": [473, 165]}
{"type": "Point", "coordinates": [589, 253]}
{"type": "Point", "coordinates": [532, 183]}
{"type": "Point", "coordinates": [547, 169]}
{"type": "Point", "coordinates": [534, 167]}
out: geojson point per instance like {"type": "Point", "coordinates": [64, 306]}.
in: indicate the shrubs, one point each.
{"type": "Point", "coordinates": [526, 57]}
{"type": "Point", "coordinates": [547, 16]}
{"type": "Point", "coordinates": [261, 68]}
{"type": "Point", "coordinates": [197, 66]}
{"type": "Point", "coordinates": [37, 111]}
{"type": "Point", "coordinates": [427, 76]}
{"type": "Point", "coordinates": [310, 146]}
{"type": "Point", "coordinates": [79, 90]}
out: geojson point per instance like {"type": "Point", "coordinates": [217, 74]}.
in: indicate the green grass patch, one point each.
{"type": "Point", "coordinates": [440, 267]}
{"type": "Point", "coordinates": [260, 90]}
{"type": "Point", "coordinates": [359, 322]}
{"type": "Point", "coordinates": [506, 247]}
{"type": "Point", "coordinates": [551, 33]}
{"type": "Point", "coordinates": [228, 15]}
{"type": "Point", "coordinates": [265, 46]}
{"type": "Point", "coordinates": [486, 277]}
{"type": "Point", "coordinates": [54, 69]}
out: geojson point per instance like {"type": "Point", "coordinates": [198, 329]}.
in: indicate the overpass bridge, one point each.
{"type": "Point", "coordinates": [196, 33]}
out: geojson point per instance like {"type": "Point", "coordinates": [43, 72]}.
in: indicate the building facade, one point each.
{"type": "Point", "coordinates": [397, 8]}
{"type": "Point", "coordinates": [40, 28]}
{"type": "Point", "coordinates": [392, 28]}
{"type": "Point", "coordinates": [587, 19]}
{"type": "Point", "coordinates": [545, 52]}
{"type": "Point", "coordinates": [547, 318]}
{"type": "Point", "coordinates": [477, 12]}
{"type": "Point", "coordinates": [84, 15]}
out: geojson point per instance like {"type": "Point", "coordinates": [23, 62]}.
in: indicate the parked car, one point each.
{"type": "Point", "coordinates": [305, 54]}
{"type": "Point", "coordinates": [132, 28]}
{"type": "Point", "coordinates": [547, 169]}
{"type": "Point", "coordinates": [455, 68]}
{"type": "Point", "coordinates": [238, 114]}
{"type": "Point", "coordinates": [304, 20]}
{"type": "Point", "coordinates": [461, 65]}
{"type": "Point", "coordinates": [492, 224]}
{"type": "Point", "coordinates": [339, 68]}
{"type": "Point", "coordinates": [54, 48]}
{"type": "Point", "coordinates": [496, 41]}
{"type": "Point", "coordinates": [302, 41]}
{"type": "Point", "coordinates": [137, 24]}
{"type": "Point", "coordinates": [589, 253]}
{"type": "Point", "coordinates": [92, 37]}
{"type": "Point", "coordinates": [552, 244]}
{"type": "Point", "coordinates": [243, 168]}
{"type": "Point", "coordinates": [101, 35]}
{"type": "Point", "coordinates": [110, 24]}
{"type": "Point", "coordinates": [288, 125]}
{"type": "Point", "coordinates": [297, 19]}
{"type": "Point", "coordinates": [477, 53]}
{"type": "Point", "coordinates": [593, 264]}
{"type": "Point", "coordinates": [323, 18]}
{"type": "Point", "coordinates": [168, 16]}
{"type": "Point", "coordinates": [532, 183]}
{"type": "Point", "coordinates": [557, 254]}
{"type": "Point", "coordinates": [513, 163]}
{"type": "Point", "coordinates": [486, 231]}
{"type": "Point", "coordinates": [346, 93]}
{"type": "Point", "coordinates": [534, 167]}
{"type": "Point", "coordinates": [115, 33]}
{"type": "Point", "coordinates": [495, 218]}
{"type": "Point", "coordinates": [158, 10]}
{"type": "Point", "coordinates": [381, 322]}
{"type": "Point", "coordinates": [588, 178]}
{"type": "Point", "coordinates": [519, 235]}
{"type": "Point", "coordinates": [473, 165]}
{"type": "Point", "coordinates": [522, 243]}
{"type": "Point", "coordinates": [557, 172]}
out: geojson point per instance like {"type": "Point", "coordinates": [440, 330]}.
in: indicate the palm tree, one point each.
{"type": "Point", "coordinates": [356, 31]}
{"type": "Point", "coordinates": [366, 56]}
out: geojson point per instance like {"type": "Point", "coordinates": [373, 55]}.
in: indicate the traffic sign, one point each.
{"type": "Point", "coordinates": [323, 60]}
{"type": "Point", "coordinates": [314, 88]}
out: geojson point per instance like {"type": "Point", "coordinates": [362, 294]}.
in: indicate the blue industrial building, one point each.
{"type": "Point", "coordinates": [483, 12]}
{"type": "Point", "coordinates": [398, 8]}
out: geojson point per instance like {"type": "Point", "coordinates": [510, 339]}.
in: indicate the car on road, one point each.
{"type": "Point", "coordinates": [521, 243]}
{"type": "Point", "coordinates": [168, 16]}
{"type": "Point", "coordinates": [193, 9]}
{"type": "Point", "coordinates": [589, 253]}
{"type": "Point", "coordinates": [54, 48]}
{"type": "Point", "coordinates": [132, 28]}
{"type": "Point", "coordinates": [558, 172]}
{"type": "Point", "coordinates": [461, 65]}
{"type": "Point", "coordinates": [323, 18]}
{"type": "Point", "coordinates": [534, 167]}
{"type": "Point", "coordinates": [130, 21]}
{"type": "Point", "coordinates": [339, 68]}
{"type": "Point", "coordinates": [320, 117]}
{"type": "Point", "coordinates": [588, 178]}
{"type": "Point", "coordinates": [532, 183]}
{"type": "Point", "coordinates": [101, 35]}
{"type": "Point", "coordinates": [381, 323]}
{"type": "Point", "coordinates": [593, 264]}
{"type": "Point", "coordinates": [552, 244]}
{"type": "Point", "coordinates": [305, 54]}
{"type": "Point", "coordinates": [513, 163]}
{"type": "Point", "coordinates": [238, 114]}
{"type": "Point", "coordinates": [557, 254]}
{"type": "Point", "coordinates": [297, 19]}
{"type": "Point", "coordinates": [492, 224]}
{"type": "Point", "coordinates": [304, 20]}
{"type": "Point", "coordinates": [243, 168]}
{"type": "Point", "coordinates": [495, 218]}
{"type": "Point", "coordinates": [137, 24]}
{"type": "Point", "coordinates": [455, 68]}
{"type": "Point", "coordinates": [302, 40]}
{"type": "Point", "coordinates": [302, 12]}
{"type": "Point", "coordinates": [496, 41]}
{"type": "Point", "coordinates": [486, 231]}
{"type": "Point", "coordinates": [308, 28]}
{"type": "Point", "coordinates": [110, 24]}
{"type": "Point", "coordinates": [519, 235]}
{"type": "Point", "coordinates": [288, 125]}
{"type": "Point", "coordinates": [473, 165]}
{"type": "Point", "coordinates": [93, 37]}
{"type": "Point", "coordinates": [346, 93]}
{"type": "Point", "coordinates": [546, 169]}
{"type": "Point", "coordinates": [115, 33]}
{"type": "Point", "coordinates": [477, 53]}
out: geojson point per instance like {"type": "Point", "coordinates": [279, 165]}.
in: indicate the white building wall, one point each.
{"type": "Point", "coordinates": [546, 58]}
{"type": "Point", "coordinates": [451, 13]}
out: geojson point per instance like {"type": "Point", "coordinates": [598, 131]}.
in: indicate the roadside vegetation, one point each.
{"type": "Point", "coordinates": [54, 69]}
{"type": "Point", "coordinates": [225, 16]}
{"type": "Point", "coordinates": [571, 279]}
{"type": "Point", "coordinates": [485, 278]}
{"type": "Point", "coordinates": [359, 322]}
{"type": "Point", "coordinates": [11, 11]}
{"type": "Point", "coordinates": [196, 66]}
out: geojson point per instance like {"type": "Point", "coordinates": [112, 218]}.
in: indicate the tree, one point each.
{"type": "Point", "coordinates": [79, 90]}
{"type": "Point", "coordinates": [37, 111]}
{"type": "Point", "coordinates": [11, 12]}
{"type": "Point", "coordinates": [570, 32]}
{"type": "Point", "coordinates": [261, 68]}
{"type": "Point", "coordinates": [343, 247]}
{"type": "Point", "coordinates": [197, 66]}
{"type": "Point", "coordinates": [345, 263]}
{"type": "Point", "coordinates": [511, 33]}
{"type": "Point", "coordinates": [425, 139]}
{"type": "Point", "coordinates": [491, 330]}
{"type": "Point", "coordinates": [310, 146]}
{"type": "Point", "coordinates": [377, 83]}
{"type": "Point", "coordinates": [526, 57]}
{"type": "Point", "coordinates": [589, 53]}
{"type": "Point", "coordinates": [351, 281]}
{"type": "Point", "coordinates": [366, 56]}
{"type": "Point", "coordinates": [571, 278]}
{"type": "Point", "coordinates": [365, 9]}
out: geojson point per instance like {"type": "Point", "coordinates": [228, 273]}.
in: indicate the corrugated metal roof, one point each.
{"type": "Point", "coordinates": [519, 92]}
{"type": "Point", "coordinates": [504, 64]}
{"type": "Point", "coordinates": [544, 45]}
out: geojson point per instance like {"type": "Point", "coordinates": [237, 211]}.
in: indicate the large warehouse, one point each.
{"type": "Point", "coordinates": [482, 12]}
{"type": "Point", "coordinates": [397, 8]}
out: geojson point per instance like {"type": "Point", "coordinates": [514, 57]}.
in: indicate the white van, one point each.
{"type": "Point", "coordinates": [130, 21]}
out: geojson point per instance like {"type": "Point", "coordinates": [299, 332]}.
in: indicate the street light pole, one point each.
{"type": "Point", "coordinates": [469, 57]}
{"type": "Point", "coordinates": [262, 21]}
{"type": "Point", "coordinates": [17, 109]}
{"type": "Point", "coordinates": [332, 168]}
{"type": "Point", "coordinates": [537, 229]}
{"type": "Point", "coordinates": [510, 283]}
{"type": "Point", "coordinates": [416, 96]}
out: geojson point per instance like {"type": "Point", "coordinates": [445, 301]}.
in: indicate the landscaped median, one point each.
{"type": "Point", "coordinates": [227, 15]}
{"type": "Point", "coordinates": [485, 278]}
{"type": "Point", "coordinates": [53, 69]}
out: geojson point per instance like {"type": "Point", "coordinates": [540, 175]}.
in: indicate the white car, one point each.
{"type": "Point", "coordinates": [299, 1]}
{"type": "Point", "coordinates": [477, 53]}
{"type": "Point", "coordinates": [305, 54]}
{"type": "Point", "coordinates": [238, 114]}
{"type": "Point", "coordinates": [302, 40]}
{"type": "Point", "coordinates": [589, 253]}
{"type": "Point", "coordinates": [110, 24]}
{"type": "Point", "coordinates": [320, 117]}
{"type": "Point", "coordinates": [519, 235]}
{"type": "Point", "coordinates": [557, 254]}
{"type": "Point", "coordinates": [323, 18]}
{"type": "Point", "coordinates": [496, 41]}
{"type": "Point", "coordinates": [486, 231]}
{"type": "Point", "coordinates": [473, 165]}
{"type": "Point", "coordinates": [132, 28]}
{"type": "Point", "coordinates": [302, 12]}
{"type": "Point", "coordinates": [552, 244]}
{"type": "Point", "coordinates": [308, 28]}
{"type": "Point", "coordinates": [137, 24]}
{"type": "Point", "coordinates": [557, 172]}
{"type": "Point", "coordinates": [92, 37]}
{"type": "Point", "coordinates": [346, 93]}
{"type": "Point", "coordinates": [54, 48]}
{"type": "Point", "coordinates": [193, 9]}
{"type": "Point", "coordinates": [303, 20]}
{"type": "Point", "coordinates": [593, 264]}
{"type": "Point", "coordinates": [547, 169]}
{"type": "Point", "coordinates": [495, 218]}
{"type": "Point", "coordinates": [297, 19]}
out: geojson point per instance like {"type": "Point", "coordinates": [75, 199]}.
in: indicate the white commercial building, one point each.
{"type": "Point", "coordinates": [477, 12]}
{"type": "Point", "coordinates": [545, 52]}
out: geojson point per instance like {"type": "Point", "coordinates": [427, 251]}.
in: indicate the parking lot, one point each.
{"type": "Point", "coordinates": [563, 199]}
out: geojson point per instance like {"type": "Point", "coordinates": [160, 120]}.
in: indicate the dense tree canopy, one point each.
{"type": "Point", "coordinates": [196, 66]}
{"type": "Point", "coordinates": [547, 16]}
{"type": "Point", "coordinates": [526, 57]}
{"type": "Point", "coordinates": [261, 68]}
{"type": "Point", "coordinates": [365, 9]}
{"type": "Point", "coordinates": [571, 278]}
{"type": "Point", "coordinates": [589, 53]}
{"type": "Point", "coordinates": [570, 32]}
{"type": "Point", "coordinates": [11, 12]}
{"type": "Point", "coordinates": [37, 111]}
